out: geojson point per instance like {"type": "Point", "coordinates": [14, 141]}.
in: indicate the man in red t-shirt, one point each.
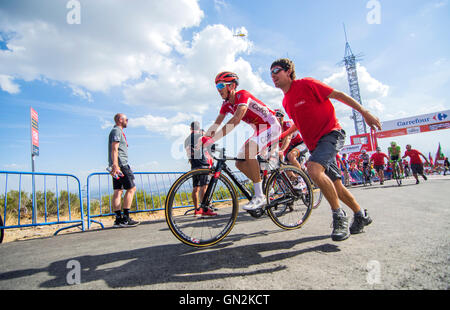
{"type": "Point", "coordinates": [378, 163]}
{"type": "Point", "coordinates": [415, 162]}
{"type": "Point", "coordinates": [307, 103]}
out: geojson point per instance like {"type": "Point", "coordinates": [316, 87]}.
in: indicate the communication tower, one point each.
{"type": "Point", "coordinates": [350, 65]}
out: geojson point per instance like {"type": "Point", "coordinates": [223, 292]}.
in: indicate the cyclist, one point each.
{"type": "Point", "coordinates": [377, 159]}
{"type": "Point", "coordinates": [307, 103]}
{"type": "Point", "coordinates": [364, 158]}
{"type": "Point", "coordinates": [290, 145]}
{"type": "Point", "coordinates": [344, 170]}
{"type": "Point", "coordinates": [416, 162]}
{"type": "Point", "coordinates": [245, 107]}
{"type": "Point", "coordinates": [394, 152]}
{"type": "Point", "coordinates": [198, 158]}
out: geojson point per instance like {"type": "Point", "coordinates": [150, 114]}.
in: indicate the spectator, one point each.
{"type": "Point", "coordinates": [416, 162]}
{"type": "Point", "coordinates": [121, 172]}
{"type": "Point", "coordinates": [198, 159]}
{"type": "Point", "coordinates": [446, 165]}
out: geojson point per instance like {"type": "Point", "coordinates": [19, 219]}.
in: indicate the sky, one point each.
{"type": "Point", "coordinates": [78, 63]}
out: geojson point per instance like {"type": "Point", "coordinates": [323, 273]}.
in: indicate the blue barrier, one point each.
{"type": "Point", "coordinates": [17, 199]}
{"type": "Point", "coordinates": [150, 195]}
{"type": "Point", "coordinates": [151, 189]}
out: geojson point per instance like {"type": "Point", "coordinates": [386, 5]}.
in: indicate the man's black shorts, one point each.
{"type": "Point", "coordinates": [200, 180]}
{"type": "Point", "coordinates": [379, 167]}
{"type": "Point", "coordinates": [325, 153]}
{"type": "Point", "coordinates": [126, 181]}
{"type": "Point", "coordinates": [417, 168]}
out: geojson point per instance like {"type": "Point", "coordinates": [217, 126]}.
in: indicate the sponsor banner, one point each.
{"type": "Point", "coordinates": [351, 149]}
{"type": "Point", "coordinates": [415, 121]}
{"type": "Point", "coordinates": [34, 132]}
{"type": "Point", "coordinates": [412, 130]}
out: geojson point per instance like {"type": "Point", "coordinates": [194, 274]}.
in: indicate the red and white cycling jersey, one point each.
{"type": "Point", "coordinates": [258, 114]}
{"type": "Point", "coordinates": [296, 137]}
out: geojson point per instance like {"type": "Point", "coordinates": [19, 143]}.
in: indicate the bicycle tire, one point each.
{"type": "Point", "coordinates": [317, 194]}
{"type": "Point", "coordinates": [204, 231]}
{"type": "Point", "coordinates": [299, 209]}
{"type": "Point", "coordinates": [2, 231]}
{"type": "Point", "coordinates": [397, 175]}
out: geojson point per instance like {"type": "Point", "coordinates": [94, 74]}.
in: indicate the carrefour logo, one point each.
{"type": "Point", "coordinates": [440, 117]}
{"type": "Point", "coordinates": [421, 120]}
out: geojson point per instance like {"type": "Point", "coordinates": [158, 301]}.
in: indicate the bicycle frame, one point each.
{"type": "Point", "coordinates": [221, 166]}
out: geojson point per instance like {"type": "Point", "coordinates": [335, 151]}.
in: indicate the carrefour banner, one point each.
{"type": "Point", "coordinates": [415, 124]}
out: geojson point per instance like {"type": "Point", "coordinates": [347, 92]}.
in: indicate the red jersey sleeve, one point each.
{"type": "Point", "coordinates": [242, 98]}
{"type": "Point", "coordinates": [225, 108]}
{"type": "Point", "coordinates": [320, 89]}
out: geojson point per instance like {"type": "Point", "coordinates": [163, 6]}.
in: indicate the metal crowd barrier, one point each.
{"type": "Point", "coordinates": [151, 190]}
{"type": "Point", "coordinates": [150, 195]}
{"type": "Point", "coordinates": [52, 197]}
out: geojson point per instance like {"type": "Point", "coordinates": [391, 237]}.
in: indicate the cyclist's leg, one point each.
{"type": "Point", "coordinates": [250, 165]}
{"type": "Point", "coordinates": [401, 166]}
{"type": "Point", "coordinates": [292, 158]}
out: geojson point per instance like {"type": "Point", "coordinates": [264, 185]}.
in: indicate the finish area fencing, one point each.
{"type": "Point", "coordinates": [37, 199]}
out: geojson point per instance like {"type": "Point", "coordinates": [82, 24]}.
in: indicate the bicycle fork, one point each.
{"type": "Point", "coordinates": [290, 196]}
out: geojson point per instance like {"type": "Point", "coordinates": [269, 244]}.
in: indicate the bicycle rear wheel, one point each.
{"type": "Point", "coordinates": [205, 230]}
{"type": "Point", "coordinates": [290, 197]}
{"type": "Point", "coordinates": [317, 196]}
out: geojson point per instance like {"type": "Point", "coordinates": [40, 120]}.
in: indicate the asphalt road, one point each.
{"type": "Point", "coordinates": [406, 247]}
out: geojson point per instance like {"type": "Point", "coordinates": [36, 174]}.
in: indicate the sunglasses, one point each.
{"type": "Point", "coordinates": [221, 86]}
{"type": "Point", "coordinates": [276, 70]}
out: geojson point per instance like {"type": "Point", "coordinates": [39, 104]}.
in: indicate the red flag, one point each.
{"type": "Point", "coordinates": [439, 155]}
{"type": "Point", "coordinates": [430, 158]}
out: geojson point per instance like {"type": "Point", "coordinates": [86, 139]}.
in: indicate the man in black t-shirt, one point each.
{"type": "Point", "coordinates": [197, 159]}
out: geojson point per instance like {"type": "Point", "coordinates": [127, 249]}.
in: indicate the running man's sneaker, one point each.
{"type": "Point", "coordinates": [255, 203]}
{"type": "Point", "coordinates": [424, 177]}
{"type": "Point", "coordinates": [128, 222]}
{"type": "Point", "coordinates": [340, 227]}
{"type": "Point", "coordinates": [359, 221]}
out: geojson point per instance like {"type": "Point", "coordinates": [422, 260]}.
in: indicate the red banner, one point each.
{"type": "Point", "coordinates": [34, 132]}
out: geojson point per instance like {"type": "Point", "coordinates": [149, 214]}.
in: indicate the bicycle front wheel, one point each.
{"type": "Point", "coordinates": [290, 197]}
{"type": "Point", "coordinates": [397, 175]}
{"type": "Point", "coordinates": [203, 230]}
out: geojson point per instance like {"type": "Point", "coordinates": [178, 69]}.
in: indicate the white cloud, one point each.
{"type": "Point", "coordinates": [171, 127]}
{"type": "Point", "coordinates": [113, 44]}
{"type": "Point", "coordinates": [190, 81]}
{"type": "Point", "coordinates": [138, 48]}
{"type": "Point", "coordinates": [372, 91]}
{"type": "Point", "coordinates": [7, 84]}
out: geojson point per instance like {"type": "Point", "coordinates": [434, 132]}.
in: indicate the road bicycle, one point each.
{"type": "Point", "coordinates": [289, 195]}
{"type": "Point", "coordinates": [396, 173]}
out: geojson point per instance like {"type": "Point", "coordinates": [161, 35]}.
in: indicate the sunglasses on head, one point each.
{"type": "Point", "coordinates": [220, 86]}
{"type": "Point", "coordinates": [276, 70]}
